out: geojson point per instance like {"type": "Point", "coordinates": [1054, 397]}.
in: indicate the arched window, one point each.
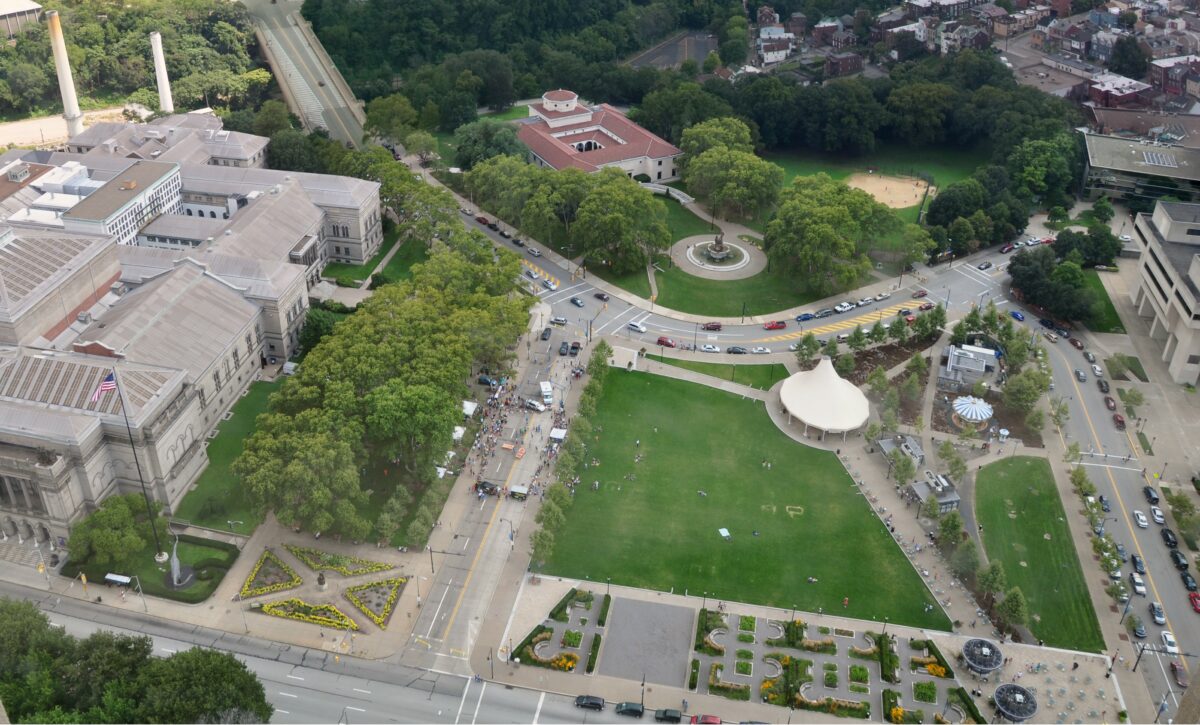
{"type": "Point", "coordinates": [189, 212]}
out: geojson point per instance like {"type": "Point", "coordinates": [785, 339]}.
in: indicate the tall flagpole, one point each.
{"type": "Point", "coordinates": [159, 554]}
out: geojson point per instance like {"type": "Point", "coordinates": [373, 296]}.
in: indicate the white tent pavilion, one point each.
{"type": "Point", "coordinates": [972, 409]}
{"type": "Point", "coordinates": [820, 398]}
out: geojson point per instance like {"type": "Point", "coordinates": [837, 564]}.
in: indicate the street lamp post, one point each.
{"type": "Point", "coordinates": [231, 530]}
{"type": "Point", "coordinates": [608, 586]}
{"type": "Point", "coordinates": [705, 604]}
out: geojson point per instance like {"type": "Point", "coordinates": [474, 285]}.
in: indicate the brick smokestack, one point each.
{"type": "Point", "coordinates": [66, 83]}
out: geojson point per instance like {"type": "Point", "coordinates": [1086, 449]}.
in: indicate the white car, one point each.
{"type": "Point", "coordinates": [636, 327]}
{"type": "Point", "coordinates": [794, 347]}
{"type": "Point", "coordinates": [549, 285]}
{"type": "Point", "coordinates": [532, 275]}
{"type": "Point", "coordinates": [865, 301]}
{"type": "Point", "coordinates": [760, 350]}
{"type": "Point", "coordinates": [534, 252]}
{"type": "Point", "coordinates": [1169, 643]}
{"type": "Point", "coordinates": [709, 348]}
{"type": "Point", "coordinates": [882, 296]}
{"type": "Point", "coordinates": [1140, 518]}
{"type": "Point", "coordinates": [1097, 371]}
{"type": "Point", "coordinates": [1157, 514]}
{"type": "Point", "coordinates": [1139, 586]}
{"type": "Point", "coordinates": [843, 307]}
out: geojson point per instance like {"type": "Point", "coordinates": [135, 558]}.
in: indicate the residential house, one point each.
{"type": "Point", "coordinates": [1116, 91]}
{"type": "Point", "coordinates": [944, 9]}
{"type": "Point", "coordinates": [990, 15]}
{"type": "Point", "coordinates": [1104, 16]}
{"type": "Point", "coordinates": [774, 44]}
{"type": "Point", "coordinates": [767, 16]}
{"type": "Point", "coordinates": [823, 31]}
{"type": "Point", "coordinates": [797, 24]}
{"type": "Point", "coordinates": [954, 36]}
{"type": "Point", "coordinates": [1169, 75]}
{"type": "Point", "coordinates": [1061, 8]}
{"type": "Point", "coordinates": [1160, 45]}
{"type": "Point", "coordinates": [887, 21]}
{"type": "Point", "coordinates": [842, 64]}
{"type": "Point", "coordinates": [1102, 45]}
{"type": "Point", "coordinates": [843, 39]}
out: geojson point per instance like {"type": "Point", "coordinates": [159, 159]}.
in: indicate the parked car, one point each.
{"type": "Point", "coordinates": [636, 327]}
{"type": "Point", "coordinates": [1119, 421]}
{"type": "Point", "coordinates": [1169, 643]}
{"type": "Point", "coordinates": [709, 348]}
{"type": "Point", "coordinates": [483, 220]}
{"type": "Point", "coordinates": [711, 326]}
{"type": "Point", "coordinates": [1139, 584]}
{"type": "Point", "coordinates": [1122, 554]}
{"type": "Point", "coordinates": [775, 325]}
{"type": "Point", "coordinates": [1150, 494]}
{"type": "Point", "coordinates": [1080, 375]}
{"type": "Point", "coordinates": [1110, 403]}
{"type": "Point", "coordinates": [564, 348]}
{"type": "Point", "coordinates": [668, 715]}
{"type": "Point", "coordinates": [1180, 674]}
{"type": "Point", "coordinates": [1048, 324]}
{"type": "Point", "coordinates": [518, 242]}
{"type": "Point", "coordinates": [493, 226]}
{"type": "Point", "coordinates": [1140, 519]}
{"type": "Point", "coordinates": [1179, 559]}
{"type": "Point", "coordinates": [1007, 248]}
{"type": "Point", "coordinates": [1105, 504]}
{"type": "Point", "coordinates": [1017, 315]}
{"type": "Point", "coordinates": [1076, 343]}
{"type": "Point", "coordinates": [577, 302]}
{"type": "Point", "coordinates": [736, 350]}
{"type": "Point", "coordinates": [705, 720]}
{"type": "Point", "coordinates": [866, 301]}
{"type": "Point", "coordinates": [1097, 371]}
{"type": "Point", "coordinates": [827, 312]}
{"type": "Point", "coordinates": [1157, 614]}
{"type": "Point", "coordinates": [533, 251]}
{"type": "Point", "coordinates": [760, 350]}
{"type": "Point", "coordinates": [1194, 600]}
{"type": "Point", "coordinates": [920, 293]}
{"type": "Point", "coordinates": [1089, 356]}
{"type": "Point", "coordinates": [546, 333]}
{"type": "Point", "coordinates": [1157, 514]}
{"type": "Point", "coordinates": [882, 296]}
{"type": "Point", "coordinates": [1138, 629]}
{"type": "Point", "coordinates": [603, 297]}
{"type": "Point", "coordinates": [575, 348]}
{"type": "Point", "coordinates": [925, 306]}
{"type": "Point", "coordinates": [1138, 564]}
{"type": "Point", "coordinates": [1050, 336]}
{"type": "Point", "coordinates": [843, 307]}
{"type": "Point", "coordinates": [560, 321]}
{"type": "Point", "coordinates": [590, 702]}
{"type": "Point", "coordinates": [487, 381]}
{"type": "Point", "coordinates": [805, 317]}
{"type": "Point", "coordinates": [1169, 538]}
{"type": "Point", "coordinates": [630, 709]}
{"type": "Point", "coordinates": [1189, 581]}
{"type": "Point", "coordinates": [1103, 385]}
{"type": "Point", "coordinates": [532, 274]}
{"type": "Point", "coordinates": [665, 342]}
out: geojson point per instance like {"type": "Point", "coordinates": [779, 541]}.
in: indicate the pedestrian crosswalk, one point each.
{"type": "Point", "coordinates": [867, 320]}
{"type": "Point", "coordinates": [310, 108]}
{"type": "Point", "coordinates": [541, 273]}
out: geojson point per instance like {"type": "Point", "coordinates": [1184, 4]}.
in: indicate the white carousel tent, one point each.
{"type": "Point", "coordinates": [820, 398]}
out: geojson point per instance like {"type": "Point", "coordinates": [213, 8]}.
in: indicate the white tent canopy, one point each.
{"type": "Point", "coordinates": [469, 407]}
{"type": "Point", "coordinates": [821, 399]}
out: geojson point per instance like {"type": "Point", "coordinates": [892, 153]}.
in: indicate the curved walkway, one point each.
{"type": "Point", "coordinates": [682, 251]}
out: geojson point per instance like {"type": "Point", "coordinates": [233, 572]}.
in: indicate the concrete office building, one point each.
{"type": "Point", "coordinates": [1168, 291]}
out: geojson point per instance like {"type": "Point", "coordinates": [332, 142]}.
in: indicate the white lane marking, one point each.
{"type": "Point", "coordinates": [615, 319]}
{"type": "Point", "coordinates": [442, 601]}
{"type": "Point", "coordinates": [479, 702]}
{"type": "Point", "coordinates": [538, 711]}
{"type": "Point", "coordinates": [355, 709]}
{"type": "Point", "coordinates": [293, 677]}
{"type": "Point", "coordinates": [168, 649]}
{"type": "Point", "coordinates": [365, 692]}
{"type": "Point", "coordinates": [288, 694]}
{"type": "Point", "coordinates": [462, 701]}
{"type": "Point", "coordinates": [282, 712]}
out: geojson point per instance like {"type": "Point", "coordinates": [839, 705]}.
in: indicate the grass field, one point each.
{"type": "Point", "coordinates": [1104, 315]}
{"type": "Point", "coordinates": [218, 496]}
{"type": "Point", "coordinates": [763, 293]}
{"type": "Point", "coordinates": [361, 271]}
{"type": "Point", "coordinates": [682, 222]}
{"type": "Point", "coordinates": [399, 267]}
{"type": "Point", "coordinates": [756, 376]}
{"type": "Point", "coordinates": [510, 114]}
{"type": "Point", "coordinates": [1024, 526]}
{"type": "Point", "coordinates": [212, 557]}
{"type": "Point", "coordinates": [658, 532]}
{"type": "Point", "coordinates": [946, 167]}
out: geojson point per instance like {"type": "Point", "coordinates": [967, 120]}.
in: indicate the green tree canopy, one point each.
{"type": "Point", "coordinates": [114, 532]}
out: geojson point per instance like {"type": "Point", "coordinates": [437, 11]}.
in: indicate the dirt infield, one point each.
{"type": "Point", "coordinates": [894, 191]}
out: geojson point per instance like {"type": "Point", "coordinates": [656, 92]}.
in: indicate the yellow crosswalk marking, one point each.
{"type": "Point", "coordinates": [867, 320]}
{"type": "Point", "coordinates": [541, 272]}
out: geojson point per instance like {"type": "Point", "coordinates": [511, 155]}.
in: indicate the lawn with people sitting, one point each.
{"type": "Point", "coordinates": [800, 532]}
{"type": "Point", "coordinates": [1024, 526]}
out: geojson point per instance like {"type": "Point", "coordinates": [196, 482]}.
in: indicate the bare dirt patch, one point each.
{"type": "Point", "coordinates": [894, 191]}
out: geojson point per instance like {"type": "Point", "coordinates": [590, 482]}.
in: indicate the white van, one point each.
{"type": "Point", "coordinates": [547, 393]}
{"type": "Point", "coordinates": [535, 406]}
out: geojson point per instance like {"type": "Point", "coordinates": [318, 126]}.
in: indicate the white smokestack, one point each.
{"type": "Point", "coordinates": [66, 84]}
{"type": "Point", "coordinates": [160, 74]}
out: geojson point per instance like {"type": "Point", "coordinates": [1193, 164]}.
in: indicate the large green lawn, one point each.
{"type": "Point", "coordinates": [210, 559]}
{"type": "Point", "coordinates": [946, 166]}
{"type": "Point", "coordinates": [1024, 526]}
{"type": "Point", "coordinates": [1104, 315]}
{"type": "Point", "coordinates": [334, 270]}
{"type": "Point", "coordinates": [399, 267]}
{"type": "Point", "coordinates": [219, 496]}
{"type": "Point", "coordinates": [682, 222]}
{"type": "Point", "coordinates": [763, 293]}
{"type": "Point", "coordinates": [659, 532]}
{"type": "Point", "coordinates": [756, 376]}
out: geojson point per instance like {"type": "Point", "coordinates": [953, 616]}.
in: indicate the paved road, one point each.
{"type": "Point", "coordinates": [311, 83]}
{"type": "Point", "coordinates": [695, 46]}
{"type": "Point", "coordinates": [1091, 425]}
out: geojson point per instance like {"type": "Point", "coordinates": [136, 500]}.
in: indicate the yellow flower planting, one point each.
{"type": "Point", "coordinates": [276, 569]}
{"type": "Point", "coordinates": [897, 714]}
{"type": "Point", "coordinates": [325, 615]}
{"type": "Point", "coordinates": [565, 661]}
{"type": "Point", "coordinates": [394, 586]}
{"type": "Point", "coordinates": [935, 670]}
{"type": "Point", "coordinates": [317, 560]}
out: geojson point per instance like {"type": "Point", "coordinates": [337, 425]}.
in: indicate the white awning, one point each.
{"type": "Point", "coordinates": [822, 399]}
{"type": "Point", "coordinates": [558, 434]}
{"type": "Point", "coordinates": [459, 432]}
{"type": "Point", "coordinates": [469, 407]}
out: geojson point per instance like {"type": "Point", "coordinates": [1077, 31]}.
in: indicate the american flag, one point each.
{"type": "Point", "coordinates": [108, 383]}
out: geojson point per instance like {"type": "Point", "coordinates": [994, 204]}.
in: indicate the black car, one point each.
{"type": "Point", "coordinates": [577, 302]}
{"type": "Point", "coordinates": [1189, 581]}
{"type": "Point", "coordinates": [590, 702]}
{"type": "Point", "coordinates": [516, 240]}
{"type": "Point", "coordinates": [488, 488]}
{"type": "Point", "coordinates": [1048, 324]}
{"type": "Point", "coordinates": [668, 715]}
{"type": "Point", "coordinates": [1103, 385]}
{"type": "Point", "coordinates": [564, 348]}
{"type": "Point", "coordinates": [504, 234]}
{"type": "Point", "coordinates": [1105, 503]}
{"type": "Point", "coordinates": [1179, 560]}
{"type": "Point", "coordinates": [1150, 494]}
{"type": "Point", "coordinates": [488, 381]}
{"type": "Point", "coordinates": [1169, 539]}
{"type": "Point", "coordinates": [1138, 564]}
{"type": "Point", "coordinates": [493, 226]}
{"type": "Point", "coordinates": [601, 296]}
{"type": "Point", "coordinates": [575, 346]}
{"type": "Point", "coordinates": [546, 333]}
{"type": "Point", "coordinates": [630, 709]}
{"type": "Point", "coordinates": [1138, 629]}
{"type": "Point", "coordinates": [736, 350]}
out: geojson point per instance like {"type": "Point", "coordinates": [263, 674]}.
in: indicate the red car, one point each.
{"type": "Point", "coordinates": [1194, 598]}
{"type": "Point", "coordinates": [711, 326]}
{"type": "Point", "coordinates": [706, 720]}
{"type": "Point", "coordinates": [1119, 421]}
{"type": "Point", "coordinates": [1110, 403]}
{"type": "Point", "coordinates": [920, 293]}
{"type": "Point", "coordinates": [910, 319]}
{"type": "Point", "coordinates": [1076, 343]}
{"type": "Point", "coordinates": [926, 307]}
{"type": "Point", "coordinates": [482, 220]}
{"type": "Point", "coordinates": [775, 325]}
{"type": "Point", "coordinates": [666, 342]}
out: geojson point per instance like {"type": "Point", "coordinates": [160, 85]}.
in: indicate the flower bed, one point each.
{"type": "Point", "coordinates": [705, 625]}
{"type": "Point", "coordinates": [562, 610]}
{"type": "Point", "coordinates": [725, 689]}
{"type": "Point", "coordinates": [564, 661]}
{"type": "Point", "coordinates": [824, 646]}
{"type": "Point", "coordinates": [859, 689]}
{"type": "Point", "coordinates": [269, 575]}
{"type": "Point", "coordinates": [935, 664]}
{"type": "Point", "coordinates": [889, 661]}
{"type": "Point", "coordinates": [318, 560]}
{"type": "Point", "coordinates": [325, 615]}
{"type": "Point", "coordinates": [572, 638]}
{"type": "Point", "coordinates": [925, 692]}
{"type": "Point", "coordinates": [377, 599]}
{"type": "Point", "coordinates": [593, 652]}
{"type": "Point", "coordinates": [794, 673]}
{"type": "Point", "coordinates": [746, 638]}
{"type": "Point", "coordinates": [896, 713]}
{"type": "Point", "coordinates": [793, 635]}
{"type": "Point", "coordinates": [835, 706]}
{"type": "Point", "coordinates": [961, 699]}
{"type": "Point", "coordinates": [745, 623]}
{"type": "Point", "coordinates": [745, 654]}
{"type": "Point", "coordinates": [831, 680]}
{"type": "Point", "coordinates": [742, 667]}
{"type": "Point", "coordinates": [694, 674]}
{"type": "Point", "coordinates": [858, 673]}
{"type": "Point", "coordinates": [524, 651]}
{"type": "Point", "coordinates": [603, 619]}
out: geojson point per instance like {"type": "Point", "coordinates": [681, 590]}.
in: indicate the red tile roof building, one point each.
{"type": "Point", "coordinates": [561, 133]}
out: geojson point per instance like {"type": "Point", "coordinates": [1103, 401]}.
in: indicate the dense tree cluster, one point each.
{"type": "Point", "coordinates": [997, 327]}
{"type": "Point", "coordinates": [457, 56]}
{"type": "Point", "coordinates": [208, 49]}
{"type": "Point", "coordinates": [721, 169]}
{"type": "Point", "coordinates": [1057, 287]}
{"type": "Point", "coordinates": [116, 530]}
{"type": "Point", "coordinates": [46, 675]}
{"type": "Point", "coordinates": [607, 217]}
{"type": "Point", "coordinates": [386, 383]}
